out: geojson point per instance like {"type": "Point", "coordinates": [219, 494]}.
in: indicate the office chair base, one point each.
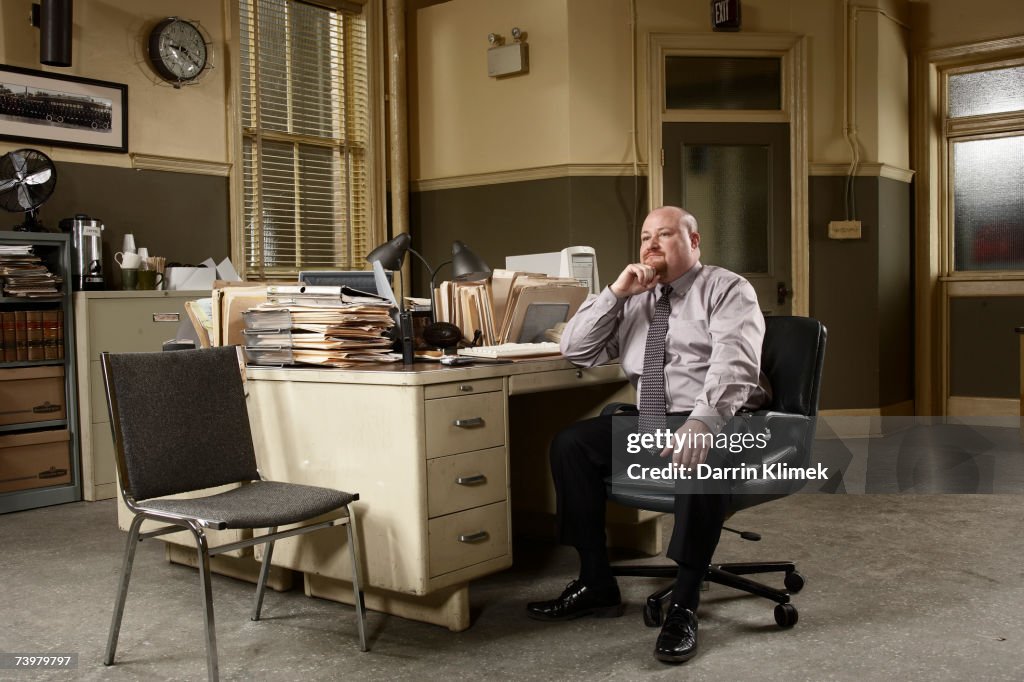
{"type": "Point", "coordinates": [730, 575]}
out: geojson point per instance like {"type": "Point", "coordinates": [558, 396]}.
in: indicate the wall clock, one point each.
{"type": "Point", "coordinates": [178, 51]}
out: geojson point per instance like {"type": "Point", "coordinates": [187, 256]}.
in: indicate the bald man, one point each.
{"type": "Point", "coordinates": [697, 331]}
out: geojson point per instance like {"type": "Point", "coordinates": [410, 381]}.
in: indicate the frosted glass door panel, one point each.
{"type": "Point", "coordinates": [734, 178]}
{"type": "Point", "coordinates": [729, 187]}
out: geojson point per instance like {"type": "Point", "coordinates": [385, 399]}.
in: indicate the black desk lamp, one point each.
{"type": "Point", "coordinates": [390, 254]}
{"type": "Point", "coordinates": [466, 266]}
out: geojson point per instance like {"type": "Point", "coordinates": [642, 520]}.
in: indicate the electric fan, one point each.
{"type": "Point", "coordinates": [27, 179]}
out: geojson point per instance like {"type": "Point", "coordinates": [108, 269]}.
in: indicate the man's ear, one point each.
{"type": "Point", "coordinates": [694, 240]}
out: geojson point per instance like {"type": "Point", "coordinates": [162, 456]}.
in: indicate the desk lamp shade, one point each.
{"type": "Point", "coordinates": [466, 265]}
{"type": "Point", "coordinates": [391, 253]}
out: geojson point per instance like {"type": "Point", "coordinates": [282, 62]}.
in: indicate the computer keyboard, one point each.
{"type": "Point", "coordinates": [511, 351]}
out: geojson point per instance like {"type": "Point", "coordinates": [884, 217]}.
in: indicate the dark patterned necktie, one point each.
{"type": "Point", "coordinates": [652, 385]}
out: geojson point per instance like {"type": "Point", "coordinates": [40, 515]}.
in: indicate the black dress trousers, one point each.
{"type": "Point", "coordinates": [581, 459]}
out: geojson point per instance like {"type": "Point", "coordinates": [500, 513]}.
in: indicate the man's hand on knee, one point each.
{"type": "Point", "coordinates": [693, 441]}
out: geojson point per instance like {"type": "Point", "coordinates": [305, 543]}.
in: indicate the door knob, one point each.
{"type": "Point", "coordinates": [783, 293]}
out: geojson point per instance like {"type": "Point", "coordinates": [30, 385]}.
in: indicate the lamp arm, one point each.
{"type": "Point", "coordinates": [433, 273]}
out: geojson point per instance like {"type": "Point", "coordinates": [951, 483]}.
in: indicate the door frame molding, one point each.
{"type": "Point", "coordinates": [791, 48]}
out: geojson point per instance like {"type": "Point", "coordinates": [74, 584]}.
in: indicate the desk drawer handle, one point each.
{"type": "Point", "coordinates": [478, 536]}
{"type": "Point", "coordinates": [465, 388]}
{"type": "Point", "coordinates": [476, 479]}
{"type": "Point", "coordinates": [166, 317]}
{"type": "Point", "coordinates": [469, 423]}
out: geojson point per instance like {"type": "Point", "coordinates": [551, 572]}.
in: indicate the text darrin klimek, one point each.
{"type": "Point", "coordinates": [733, 442]}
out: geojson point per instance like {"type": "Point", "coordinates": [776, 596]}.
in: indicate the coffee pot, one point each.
{"type": "Point", "coordinates": [87, 239]}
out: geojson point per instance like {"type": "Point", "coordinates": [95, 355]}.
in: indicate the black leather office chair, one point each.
{"type": "Point", "coordinates": [792, 356]}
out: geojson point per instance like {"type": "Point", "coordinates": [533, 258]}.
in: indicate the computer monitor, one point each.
{"type": "Point", "coordinates": [575, 261]}
{"type": "Point", "coordinates": [361, 280]}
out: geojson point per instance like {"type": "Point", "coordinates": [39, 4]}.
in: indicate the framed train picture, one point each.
{"type": "Point", "coordinates": [53, 109]}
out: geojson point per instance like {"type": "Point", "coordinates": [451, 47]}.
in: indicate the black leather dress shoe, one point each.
{"type": "Point", "coordinates": [677, 642]}
{"type": "Point", "coordinates": [579, 600]}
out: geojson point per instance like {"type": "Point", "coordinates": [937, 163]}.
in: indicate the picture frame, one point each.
{"type": "Point", "coordinates": [48, 108]}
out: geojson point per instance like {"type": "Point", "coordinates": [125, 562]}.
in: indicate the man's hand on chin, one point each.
{"type": "Point", "coordinates": [695, 439]}
{"type": "Point", "coordinates": [636, 278]}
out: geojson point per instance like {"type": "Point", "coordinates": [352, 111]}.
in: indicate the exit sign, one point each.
{"type": "Point", "coordinates": [725, 15]}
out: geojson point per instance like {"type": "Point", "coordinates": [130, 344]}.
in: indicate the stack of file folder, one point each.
{"type": "Point", "coordinates": [319, 325]}
{"type": "Point", "coordinates": [25, 275]}
{"type": "Point", "coordinates": [510, 307]}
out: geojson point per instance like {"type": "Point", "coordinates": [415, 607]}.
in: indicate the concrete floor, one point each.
{"type": "Point", "coordinates": [898, 587]}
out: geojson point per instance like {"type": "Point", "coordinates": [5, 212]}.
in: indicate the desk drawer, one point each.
{"type": "Point", "coordinates": [467, 538]}
{"type": "Point", "coordinates": [471, 422]}
{"type": "Point", "coordinates": [461, 388]}
{"type": "Point", "coordinates": [128, 325]}
{"type": "Point", "coordinates": [472, 479]}
{"type": "Point", "coordinates": [564, 378]}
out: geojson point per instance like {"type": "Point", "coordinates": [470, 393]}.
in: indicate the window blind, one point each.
{"type": "Point", "coordinates": [305, 137]}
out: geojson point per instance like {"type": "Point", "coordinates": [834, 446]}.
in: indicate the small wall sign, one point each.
{"type": "Point", "coordinates": [725, 15]}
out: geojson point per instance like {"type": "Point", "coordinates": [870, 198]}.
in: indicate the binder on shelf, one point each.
{"type": "Point", "coordinates": [10, 341]}
{"type": "Point", "coordinates": [34, 327]}
{"type": "Point", "coordinates": [21, 335]}
{"type": "Point", "coordinates": [52, 322]}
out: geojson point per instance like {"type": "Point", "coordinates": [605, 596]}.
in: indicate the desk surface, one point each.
{"type": "Point", "coordinates": [426, 373]}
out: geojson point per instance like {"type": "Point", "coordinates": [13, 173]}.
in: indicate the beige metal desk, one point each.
{"type": "Point", "coordinates": [440, 457]}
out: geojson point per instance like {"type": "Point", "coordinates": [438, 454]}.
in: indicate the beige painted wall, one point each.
{"type": "Point", "coordinates": [944, 23]}
{"type": "Point", "coordinates": [109, 43]}
{"type": "Point", "coordinates": [465, 123]}
{"type": "Point", "coordinates": [600, 112]}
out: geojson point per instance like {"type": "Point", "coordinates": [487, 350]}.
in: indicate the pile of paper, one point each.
{"type": "Point", "coordinates": [330, 326]}
{"type": "Point", "coordinates": [511, 307]}
{"type": "Point", "coordinates": [23, 274]}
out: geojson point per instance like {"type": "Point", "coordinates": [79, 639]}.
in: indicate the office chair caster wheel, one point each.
{"type": "Point", "coordinates": [653, 613]}
{"type": "Point", "coordinates": [786, 615]}
{"type": "Point", "coordinates": [794, 582]}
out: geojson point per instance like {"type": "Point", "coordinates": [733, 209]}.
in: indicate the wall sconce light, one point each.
{"type": "Point", "coordinates": [54, 19]}
{"type": "Point", "coordinates": [508, 60]}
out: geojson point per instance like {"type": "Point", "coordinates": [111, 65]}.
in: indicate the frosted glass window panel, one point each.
{"type": "Point", "coordinates": [723, 83]}
{"type": "Point", "coordinates": [988, 204]}
{"type": "Point", "coordinates": [986, 92]}
{"type": "Point", "coordinates": [728, 189]}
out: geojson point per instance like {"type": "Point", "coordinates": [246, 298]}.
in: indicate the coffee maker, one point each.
{"type": "Point", "coordinates": [87, 238]}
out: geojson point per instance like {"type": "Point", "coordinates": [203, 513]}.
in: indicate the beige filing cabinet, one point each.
{"type": "Point", "coordinates": [118, 322]}
{"type": "Point", "coordinates": [428, 451]}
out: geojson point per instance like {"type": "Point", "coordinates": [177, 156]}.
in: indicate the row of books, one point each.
{"type": "Point", "coordinates": [324, 326]}
{"type": "Point", "coordinates": [24, 275]}
{"type": "Point", "coordinates": [30, 335]}
{"type": "Point", "coordinates": [510, 307]}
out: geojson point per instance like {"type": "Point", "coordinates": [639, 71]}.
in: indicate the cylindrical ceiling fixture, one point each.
{"type": "Point", "coordinates": [55, 24]}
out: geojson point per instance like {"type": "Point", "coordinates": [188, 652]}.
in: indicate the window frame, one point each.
{"type": "Point", "coordinates": [375, 160]}
{"type": "Point", "coordinates": [965, 129]}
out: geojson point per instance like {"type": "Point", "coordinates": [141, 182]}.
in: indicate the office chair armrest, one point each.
{"type": "Point", "coordinates": [790, 436]}
{"type": "Point", "coordinates": [612, 408]}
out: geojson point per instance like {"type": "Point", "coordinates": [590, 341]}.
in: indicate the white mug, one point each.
{"type": "Point", "coordinates": [128, 260]}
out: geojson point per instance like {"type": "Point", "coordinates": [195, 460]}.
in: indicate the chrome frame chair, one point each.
{"type": "Point", "coordinates": [150, 468]}
{"type": "Point", "coordinates": [793, 355]}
